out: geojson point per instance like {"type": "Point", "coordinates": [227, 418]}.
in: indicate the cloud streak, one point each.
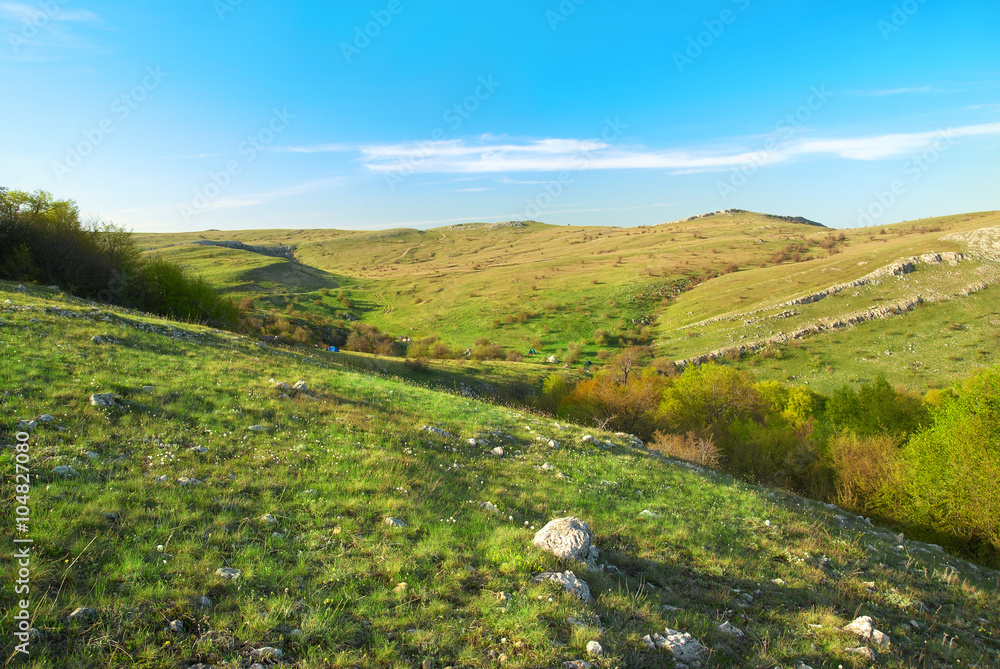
{"type": "Point", "coordinates": [917, 90]}
{"type": "Point", "coordinates": [16, 11]}
{"type": "Point", "coordinates": [489, 155]}
{"type": "Point", "coordinates": [263, 198]}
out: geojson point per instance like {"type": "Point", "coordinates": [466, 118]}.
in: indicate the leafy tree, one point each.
{"type": "Point", "coordinates": [615, 405]}
{"type": "Point", "coordinates": [709, 399]}
{"type": "Point", "coordinates": [875, 409]}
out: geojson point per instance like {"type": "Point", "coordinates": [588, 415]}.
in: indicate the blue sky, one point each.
{"type": "Point", "coordinates": [191, 115]}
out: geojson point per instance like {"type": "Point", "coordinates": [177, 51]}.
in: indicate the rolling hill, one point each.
{"type": "Point", "coordinates": [186, 509]}
{"type": "Point", "coordinates": [832, 305]}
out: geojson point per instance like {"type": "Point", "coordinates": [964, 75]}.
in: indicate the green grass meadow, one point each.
{"type": "Point", "coordinates": [298, 506]}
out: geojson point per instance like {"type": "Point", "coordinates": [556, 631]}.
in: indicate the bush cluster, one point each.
{"type": "Point", "coordinates": [928, 465]}
{"type": "Point", "coordinates": [43, 240]}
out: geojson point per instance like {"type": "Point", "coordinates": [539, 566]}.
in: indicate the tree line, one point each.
{"type": "Point", "coordinates": [44, 240]}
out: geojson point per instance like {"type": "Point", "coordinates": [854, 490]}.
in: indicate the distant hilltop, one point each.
{"type": "Point", "coordinates": [493, 226]}
{"type": "Point", "coordinates": [730, 212]}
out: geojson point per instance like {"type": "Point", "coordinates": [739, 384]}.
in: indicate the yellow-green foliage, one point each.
{"type": "Point", "coordinates": [953, 467]}
{"type": "Point", "coordinates": [709, 398]}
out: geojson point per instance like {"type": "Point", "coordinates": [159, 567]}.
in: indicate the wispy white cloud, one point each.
{"type": "Point", "coordinates": [489, 155]}
{"type": "Point", "coordinates": [192, 156]}
{"type": "Point", "coordinates": [916, 90]}
{"type": "Point", "coordinates": [22, 13]}
{"type": "Point", "coordinates": [256, 199]}
{"type": "Point", "coordinates": [318, 148]}
{"type": "Point", "coordinates": [43, 33]}
{"type": "Point", "coordinates": [890, 146]}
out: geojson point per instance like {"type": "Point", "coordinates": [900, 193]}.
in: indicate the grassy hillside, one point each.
{"type": "Point", "coordinates": [689, 287]}
{"type": "Point", "coordinates": [201, 465]}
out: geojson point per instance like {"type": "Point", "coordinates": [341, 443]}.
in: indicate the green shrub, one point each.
{"type": "Point", "coordinates": [874, 409]}
{"type": "Point", "coordinates": [555, 389]}
{"type": "Point", "coordinates": [953, 466]}
{"type": "Point", "coordinates": [488, 351]}
{"type": "Point", "coordinates": [709, 399]}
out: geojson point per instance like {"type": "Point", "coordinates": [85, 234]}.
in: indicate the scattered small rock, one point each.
{"type": "Point", "coordinates": [567, 538]}
{"type": "Point", "coordinates": [177, 626]}
{"type": "Point", "coordinates": [438, 431]}
{"type": "Point", "coordinates": [729, 629]}
{"type": "Point", "coordinates": [204, 602]}
{"type": "Point", "coordinates": [267, 653]}
{"type": "Point", "coordinates": [863, 651]}
{"type": "Point", "coordinates": [46, 418]}
{"type": "Point", "coordinates": [228, 573]}
{"type": "Point", "coordinates": [97, 339]}
{"type": "Point", "coordinates": [684, 646]}
{"type": "Point", "coordinates": [569, 582]}
{"type": "Point", "coordinates": [395, 522]}
{"type": "Point", "coordinates": [186, 481]}
{"type": "Point", "coordinates": [27, 426]}
{"type": "Point", "coordinates": [864, 629]}
{"type": "Point", "coordinates": [490, 507]}
{"type": "Point", "coordinates": [82, 613]}
{"type": "Point", "coordinates": [652, 515]}
{"type": "Point", "coordinates": [269, 519]}
{"type": "Point", "coordinates": [258, 428]}
{"type": "Point", "coordinates": [577, 664]}
{"type": "Point", "coordinates": [594, 649]}
{"type": "Point", "coordinates": [65, 471]}
{"type": "Point", "coordinates": [498, 451]}
{"type": "Point", "coordinates": [105, 400]}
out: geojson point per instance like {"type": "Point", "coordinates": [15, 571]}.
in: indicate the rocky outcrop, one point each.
{"type": "Point", "coordinates": [823, 325]}
{"type": "Point", "coordinates": [286, 252]}
{"type": "Point", "coordinates": [984, 242]}
{"type": "Point", "coordinates": [901, 267]}
{"type": "Point", "coordinates": [898, 268]}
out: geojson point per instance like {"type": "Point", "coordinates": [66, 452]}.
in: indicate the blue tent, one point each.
{"type": "Point", "coordinates": [333, 349]}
